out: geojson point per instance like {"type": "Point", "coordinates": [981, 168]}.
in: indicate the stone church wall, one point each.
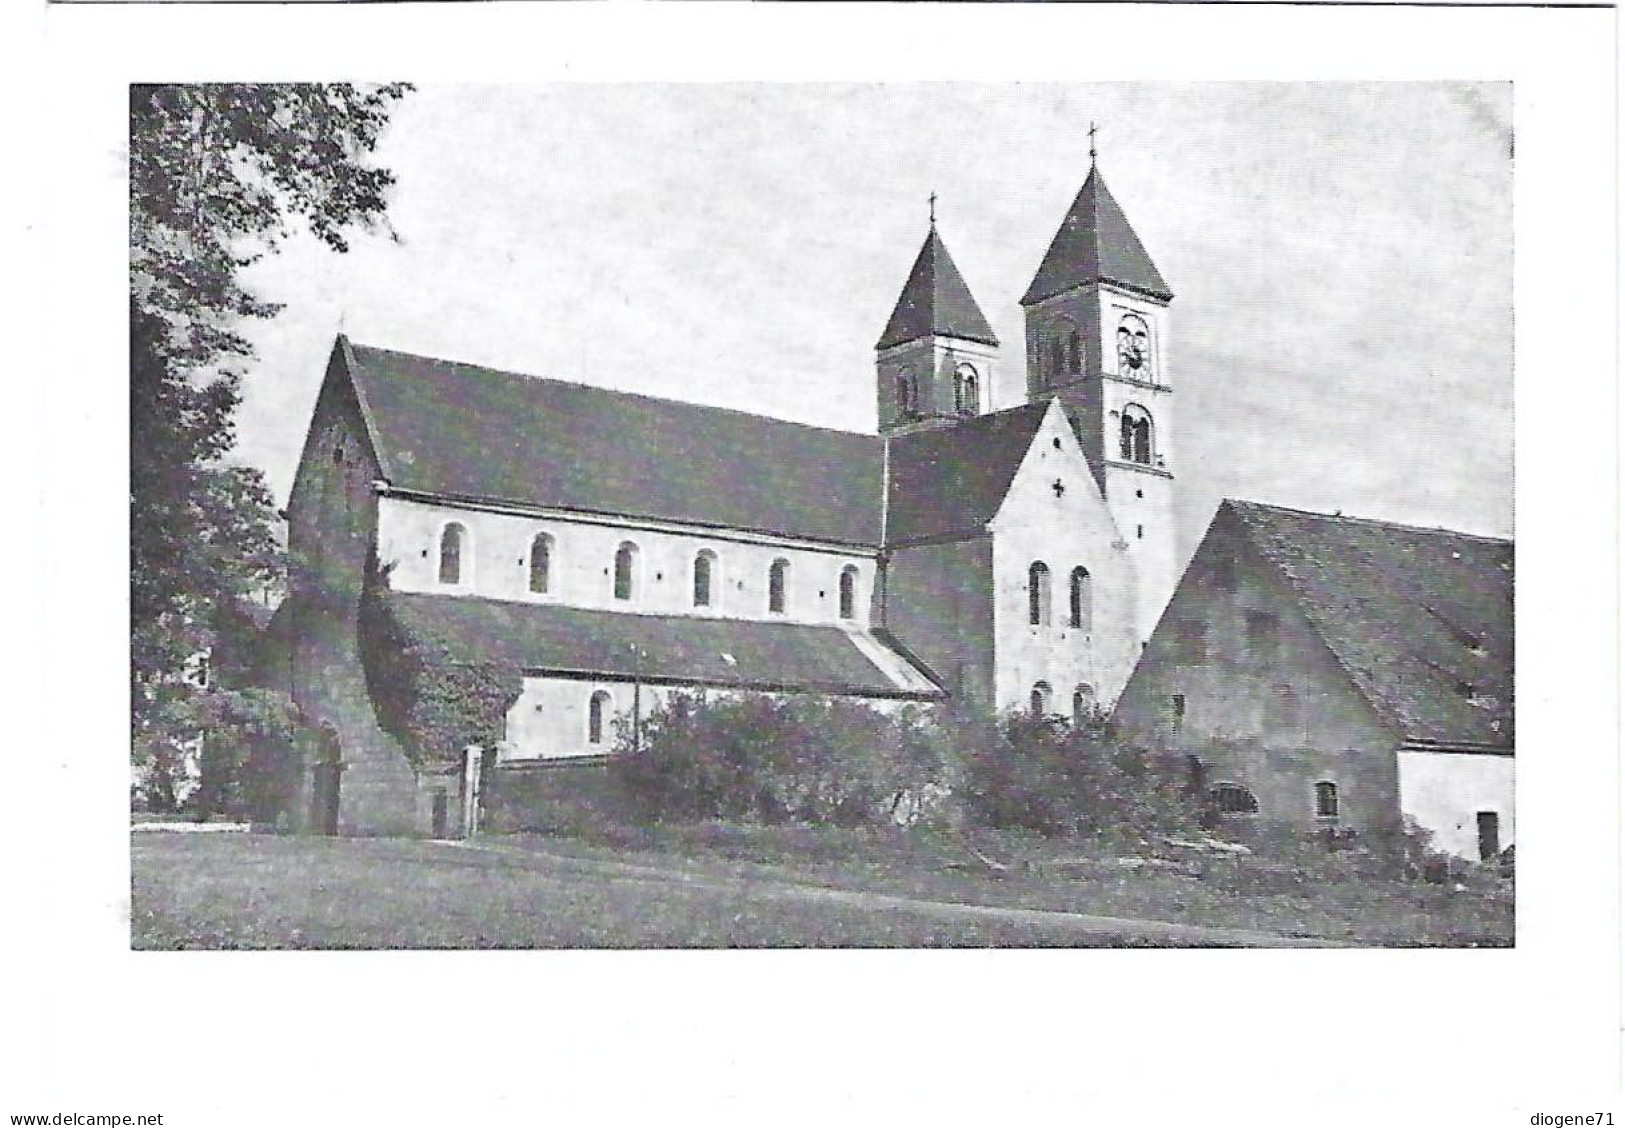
{"type": "Point", "coordinates": [332, 518]}
{"type": "Point", "coordinates": [939, 605]}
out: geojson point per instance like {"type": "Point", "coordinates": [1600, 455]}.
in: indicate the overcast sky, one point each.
{"type": "Point", "coordinates": [1341, 258]}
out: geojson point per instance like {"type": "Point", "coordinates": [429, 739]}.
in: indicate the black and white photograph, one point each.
{"type": "Point", "coordinates": [672, 549]}
{"type": "Point", "coordinates": [863, 566]}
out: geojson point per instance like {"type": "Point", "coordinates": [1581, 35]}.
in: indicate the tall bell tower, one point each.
{"type": "Point", "coordinates": [1097, 327]}
{"type": "Point", "coordinates": [934, 360]}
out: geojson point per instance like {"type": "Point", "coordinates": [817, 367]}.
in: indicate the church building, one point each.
{"type": "Point", "coordinates": [614, 547]}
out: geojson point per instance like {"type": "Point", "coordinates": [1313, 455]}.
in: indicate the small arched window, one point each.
{"type": "Point", "coordinates": [778, 581]}
{"type": "Point", "coordinates": [1135, 440]}
{"type": "Point", "coordinates": [1038, 594]}
{"type": "Point", "coordinates": [626, 564]}
{"type": "Point", "coordinates": [967, 391]}
{"type": "Point", "coordinates": [1083, 703]}
{"type": "Point", "coordinates": [453, 543]}
{"type": "Point", "coordinates": [908, 393]}
{"type": "Point", "coordinates": [541, 561]}
{"type": "Point", "coordinates": [597, 706]}
{"type": "Point", "coordinates": [1057, 358]}
{"type": "Point", "coordinates": [849, 592]}
{"type": "Point", "coordinates": [1074, 354]}
{"type": "Point", "coordinates": [1133, 347]}
{"type": "Point", "coordinates": [1326, 799]}
{"type": "Point", "coordinates": [1082, 599]}
{"type": "Point", "coordinates": [705, 562]}
{"type": "Point", "coordinates": [1038, 701]}
{"type": "Point", "coordinates": [1233, 799]}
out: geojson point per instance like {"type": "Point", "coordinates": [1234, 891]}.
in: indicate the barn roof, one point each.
{"type": "Point", "coordinates": [948, 481]}
{"type": "Point", "coordinates": [1420, 618]}
{"type": "Point", "coordinates": [465, 431]}
{"type": "Point", "coordinates": [752, 654]}
{"type": "Point", "coordinates": [1095, 242]}
{"type": "Point", "coordinates": [935, 301]}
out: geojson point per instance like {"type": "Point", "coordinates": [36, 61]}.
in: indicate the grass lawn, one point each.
{"type": "Point", "coordinates": [1246, 893]}
{"type": "Point", "coordinates": [718, 886]}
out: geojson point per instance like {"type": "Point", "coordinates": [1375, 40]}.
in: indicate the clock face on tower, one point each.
{"type": "Point", "coordinates": [1133, 347]}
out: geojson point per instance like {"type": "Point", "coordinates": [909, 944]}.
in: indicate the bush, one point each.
{"type": "Point", "coordinates": [1056, 778]}
{"type": "Point", "coordinates": [777, 760]}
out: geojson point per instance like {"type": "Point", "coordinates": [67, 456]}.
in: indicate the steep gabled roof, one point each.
{"type": "Point", "coordinates": [1420, 618]}
{"type": "Point", "coordinates": [1095, 243]}
{"type": "Point", "coordinates": [951, 480]}
{"type": "Point", "coordinates": [677, 648]}
{"type": "Point", "coordinates": [464, 431]}
{"type": "Point", "coordinates": [935, 302]}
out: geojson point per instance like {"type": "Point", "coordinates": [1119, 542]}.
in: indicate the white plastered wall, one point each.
{"type": "Point", "coordinates": [496, 564]}
{"type": "Point", "coordinates": [1074, 528]}
{"type": "Point", "coordinates": [1445, 791]}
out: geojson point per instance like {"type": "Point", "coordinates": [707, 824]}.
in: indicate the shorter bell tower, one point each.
{"type": "Point", "coordinates": [934, 361]}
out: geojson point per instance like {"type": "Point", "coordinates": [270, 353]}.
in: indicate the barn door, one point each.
{"type": "Point", "coordinates": [1489, 835]}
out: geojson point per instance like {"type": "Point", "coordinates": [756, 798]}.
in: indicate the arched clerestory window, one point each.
{"type": "Point", "coordinates": [626, 566]}
{"type": "Point", "coordinates": [778, 583]}
{"type": "Point", "coordinates": [1082, 599]}
{"type": "Point", "coordinates": [1038, 701]}
{"type": "Point", "coordinates": [1038, 594]}
{"type": "Point", "coordinates": [849, 592]}
{"type": "Point", "coordinates": [1326, 799]}
{"type": "Point", "coordinates": [540, 563]}
{"type": "Point", "coordinates": [1136, 439]}
{"type": "Point", "coordinates": [598, 707]}
{"type": "Point", "coordinates": [705, 563]}
{"type": "Point", "coordinates": [967, 391]}
{"type": "Point", "coordinates": [453, 547]}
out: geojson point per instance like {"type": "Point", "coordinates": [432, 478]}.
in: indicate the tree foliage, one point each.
{"type": "Point", "coordinates": [220, 175]}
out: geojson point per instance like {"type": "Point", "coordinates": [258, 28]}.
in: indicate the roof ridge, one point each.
{"type": "Point", "coordinates": [610, 391]}
{"type": "Point", "coordinates": [1244, 503]}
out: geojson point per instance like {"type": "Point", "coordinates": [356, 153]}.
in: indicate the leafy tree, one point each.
{"type": "Point", "coordinates": [220, 175]}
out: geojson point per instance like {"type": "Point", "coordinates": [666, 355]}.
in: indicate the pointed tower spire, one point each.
{"type": "Point", "coordinates": [935, 300]}
{"type": "Point", "coordinates": [1096, 244]}
{"type": "Point", "coordinates": [934, 361]}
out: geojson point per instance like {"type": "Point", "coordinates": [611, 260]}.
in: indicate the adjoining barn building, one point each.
{"type": "Point", "coordinates": [593, 549]}
{"type": "Point", "coordinates": [1328, 671]}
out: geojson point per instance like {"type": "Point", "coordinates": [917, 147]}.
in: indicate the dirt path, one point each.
{"type": "Point", "coordinates": [781, 889]}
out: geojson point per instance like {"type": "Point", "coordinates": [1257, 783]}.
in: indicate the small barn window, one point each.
{"type": "Point", "coordinates": [1263, 635]}
{"type": "Point", "coordinates": [1038, 594]}
{"type": "Point", "coordinates": [597, 705]}
{"type": "Point", "coordinates": [541, 559]}
{"type": "Point", "coordinates": [1038, 701]}
{"type": "Point", "coordinates": [704, 564]}
{"type": "Point", "coordinates": [1190, 636]}
{"type": "Point", "coordinates": [626, 562]}
{"type": "Point", "coordinates": [849, 592]}
{"type": "Point", "coordinates": [1135, 440]}
{"type": "Point", "coordinates": [452, 539]}
{"type": "Point", "coordinates": [1233, 799]}
{"type": "Point", "coordinates": [1285, 704]}
{"type": "Point", "coordinates": [1082, 599]}
{"type": "Point", "coordinates": [778, 580]}
{"type": "Point", "coordinates": [1326, 799]}
{"type": "Point", "coordinates": [1083, 703]}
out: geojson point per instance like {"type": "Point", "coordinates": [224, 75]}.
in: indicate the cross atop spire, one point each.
{"type": "Point", "coordinates": [1093, 129]}
{"type": "Point", "coordinates": [933, 198]}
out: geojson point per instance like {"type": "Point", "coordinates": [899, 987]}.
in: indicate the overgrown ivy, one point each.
{"type": "Point", "coordinates": [432, 702]}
